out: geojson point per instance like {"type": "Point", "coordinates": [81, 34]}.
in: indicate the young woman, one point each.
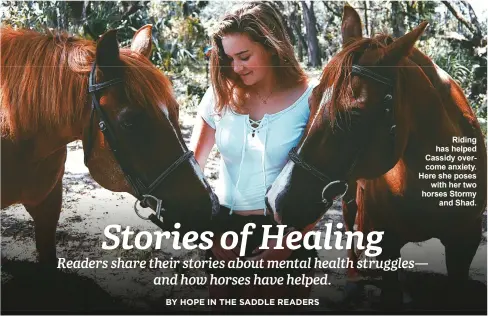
{"type": "Point", "coordinates": [255, 112]}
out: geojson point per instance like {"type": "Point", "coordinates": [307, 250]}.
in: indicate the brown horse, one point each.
{"type": "Point", "coordinates": [381, 107]}
{"type": "Point", "coordinates": [53, 88]}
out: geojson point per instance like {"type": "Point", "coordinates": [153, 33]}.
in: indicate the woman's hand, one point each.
{"type": "Point", "coordinates": [221, 253]}
{"type": "Point", "coordinates": [281, 254]}
{"type": "Point", "coordinates": [271, 253]}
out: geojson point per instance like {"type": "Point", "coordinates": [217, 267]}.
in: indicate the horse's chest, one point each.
{"type": "Point", "coordinates": [25, 180]}
{"type": "Point", "coordinates": [402, 212]}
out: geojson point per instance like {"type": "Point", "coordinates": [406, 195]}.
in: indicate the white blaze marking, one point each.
{"type": "Point", "coordinates": [326, 96]}
{"type": "Point", "coordinates": [197, 170]}
{"type": "Point", "coordinates": [279, 185]}
{"type": "Point", "coordinates": [164, 109]}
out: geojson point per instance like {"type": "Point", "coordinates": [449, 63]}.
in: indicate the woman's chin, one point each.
{"type": "Point", "coordinates": [248, 81]}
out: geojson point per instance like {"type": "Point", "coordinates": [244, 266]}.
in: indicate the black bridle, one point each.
{"type": "Point", "coordinates": [333, 186]}
{"type": "Point", "coordinates": [141, 191]}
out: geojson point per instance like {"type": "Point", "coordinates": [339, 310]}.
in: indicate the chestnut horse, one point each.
{"type": "Point", "coordinates": [380, 108]}
{"type": "Point", "coordinates": [53, 89]}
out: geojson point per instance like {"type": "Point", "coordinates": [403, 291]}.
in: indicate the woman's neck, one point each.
{"type": "Point", "coordinates": [268, 85]}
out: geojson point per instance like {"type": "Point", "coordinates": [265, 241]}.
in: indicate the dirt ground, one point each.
{"type": "Point", "coordinates": [88, 209]}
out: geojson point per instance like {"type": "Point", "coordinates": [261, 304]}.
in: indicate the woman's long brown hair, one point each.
{"type": "Point", "coordinates": [264, 25]}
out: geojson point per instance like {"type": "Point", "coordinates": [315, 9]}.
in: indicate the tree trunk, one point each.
{"type": "Point", "coordinates": [473, 25]}
{"type": "Point", "coordinates": [86, 10]}
{"type": "Point", "coordinates": [78, 11]}
{"type": "Point", "coordinates": [411, 16]}
{"type": "Point", "coordinates": [287, 21]}
{"type": "Point", "coordinates": [366, 24]}
{"type": "Point", "coordinates": [397, 19]}
{"type": "Point", "coordinates": [310, 25]}
{"type": "Point", "coordinates": [372, 18]}
{"type": "Point", "coordinates": [296, 24]}
{"type": "Point", "coordinates": [478, 83]}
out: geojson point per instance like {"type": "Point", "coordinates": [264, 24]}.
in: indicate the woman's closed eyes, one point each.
{"type": "Point", "coordinates": [242, 58]}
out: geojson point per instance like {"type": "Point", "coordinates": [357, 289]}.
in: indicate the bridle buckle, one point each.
{"type": "Point", "coordinates": [144, 204]}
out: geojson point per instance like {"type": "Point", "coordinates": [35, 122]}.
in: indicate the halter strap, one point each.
{"type": "Point", "coordinates": [93, 86]}
{"type": "Point", "coordinates": [365, 72]}
{"type": "Point", "coordinates": [99, 86]}
{"type": "Point", "coordinates": [295, 157]}
{"type": "Point", "coordinates": [170, 169]}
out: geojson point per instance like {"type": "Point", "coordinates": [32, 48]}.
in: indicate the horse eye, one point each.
{"type": "Point", "coordinates": [356, 112]}
{"type": "Point", "coordinates": [128, 122]}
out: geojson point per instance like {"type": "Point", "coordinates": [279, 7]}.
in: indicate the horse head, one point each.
{"type": "Point", "coordinates": [357, 128]}
{"type": "Point", "coordinates": [132, 140]}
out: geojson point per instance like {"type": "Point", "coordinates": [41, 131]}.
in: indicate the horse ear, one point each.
{"type": "Point", "coordinates": [107, 54]}
{"type": "Point", "coordinates": [142, 41]}
{"type": "Point", "coordinates": [351, 28]}
{"type": "Point", "coordinates": [402, 46]}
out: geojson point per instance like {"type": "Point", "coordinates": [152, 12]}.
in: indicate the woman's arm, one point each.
{"type": "Point", "coordinates": [202, 141]}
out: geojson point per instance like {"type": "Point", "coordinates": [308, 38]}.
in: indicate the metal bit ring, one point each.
{"type": "Point", "coordinates": [158, 207]}
{"type": "Point", "coordinates": [328, 186]}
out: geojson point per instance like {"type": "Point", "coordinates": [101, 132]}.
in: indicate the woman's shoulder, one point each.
{"type": "Point", "coordinates": [207, 109]}
{"type": "Point", "coordinates": [305, 90]}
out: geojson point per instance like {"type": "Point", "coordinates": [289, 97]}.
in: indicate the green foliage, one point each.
{"type": "Point", "coordinates": [179, 39]}
{"type": "Point", "coordinates": [35, 15]}
{"type": "Point", "coordinates": [461, 66]}
{"type": "Point", "coordinates": [178, 35]}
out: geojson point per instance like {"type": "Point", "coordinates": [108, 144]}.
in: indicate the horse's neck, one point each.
{"type": "Point", "coordinates": [45, 144]}
{"type": "Point", "coordinates": [436, 111]}
{"type": "Point", "coordinates": [454, 102]}
{"type": "Point", "coordinates": [439, 79]}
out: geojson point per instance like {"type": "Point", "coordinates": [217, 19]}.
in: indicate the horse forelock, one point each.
{"type": "Point", "coordinates": [146, 86]}
{"type": "Point", "coordinates": [336, 79]}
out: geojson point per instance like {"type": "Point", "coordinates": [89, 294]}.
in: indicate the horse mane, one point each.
{"type": "Point", "coordinates": [45, 82]}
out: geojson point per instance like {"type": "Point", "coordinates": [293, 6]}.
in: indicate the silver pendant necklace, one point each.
{"type": "Point", "coordinates": [264, 100]}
